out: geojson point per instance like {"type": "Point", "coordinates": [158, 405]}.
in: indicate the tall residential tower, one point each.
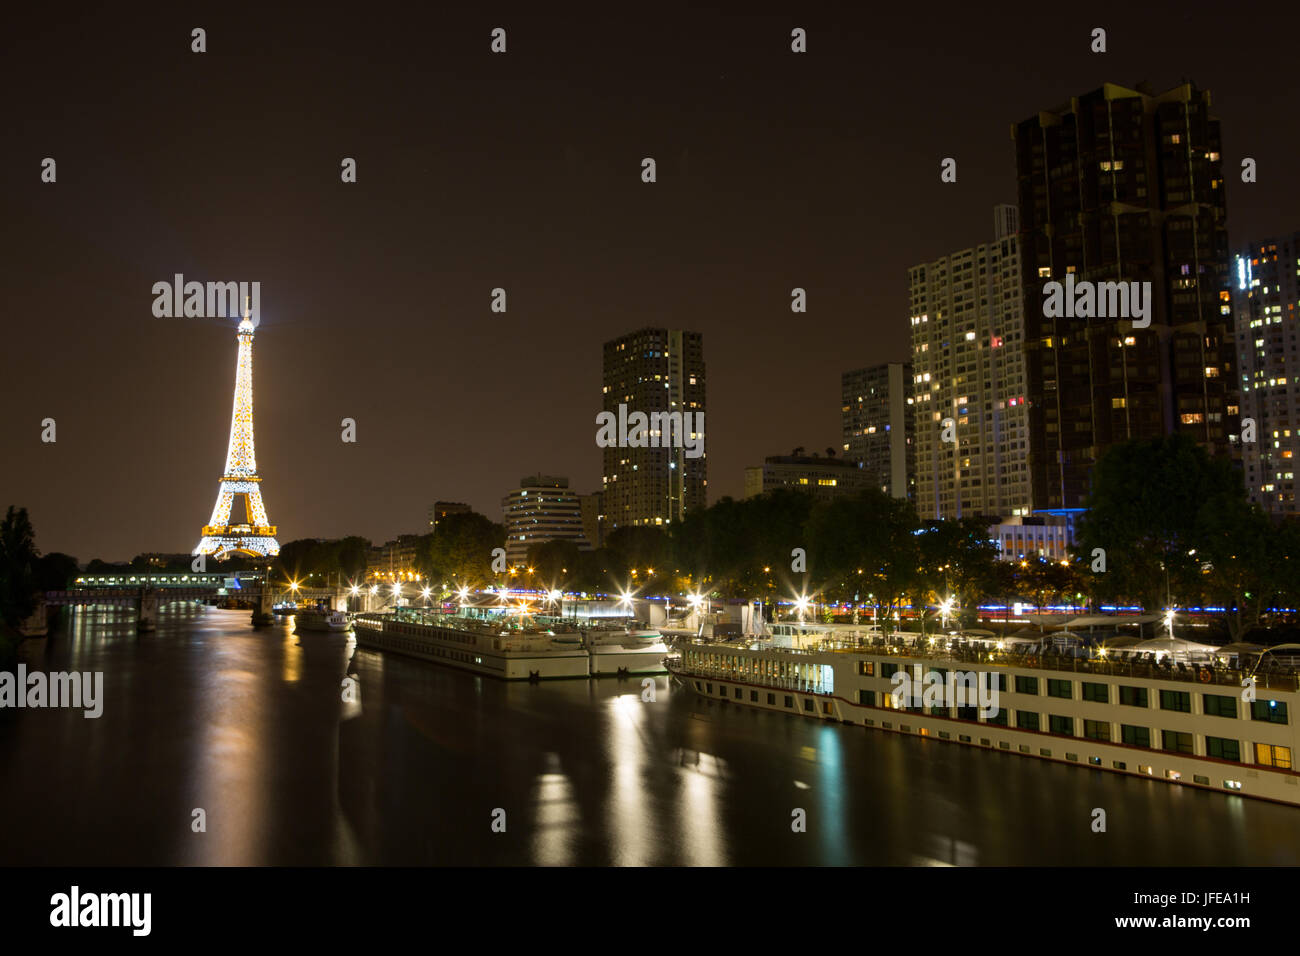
{"type": "Point", "coordinates": [649, 371]}
{"type": "Point", "coordinates": [1123, 186]}
{"type": "Point", "coordinates": [1266, 300]}
{"type": "Point", "coordinates": [876, 422]}
{"type": "Point", "coordinates": [968, 380]}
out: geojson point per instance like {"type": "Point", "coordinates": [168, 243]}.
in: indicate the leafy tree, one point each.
{"type": "Point", "coordinates": [1045, 582]}
{"type": "Point", "coordinates": [553, 562]}
{"type": "Point", "coordinates": [641, 546]}
{"type": "Point", "coordinates": [298, 558]}
{"type": "Point", "coordinates": [352, 554]}
{"type": "Point", "coordinates": [54, 571]}
{"type": "Point", "coordinates": [460, 553]}
{"type": "Point", "coordinates": [866, 548]}
{"type": "Point", "coordinates": [18, 557]}
{"type": "Point", "coordinates": [958, 561]}
{"type": "Point", "coordinates": [599, 571]}
{"type": "Point", "coordinates": [1238, 547]}
{"type": "Point", "coordinates": [744, 548]}
{"type": "Point", "coordinates": [1176, 523]}
{"type": "Point", "coordinates": [100, 566]}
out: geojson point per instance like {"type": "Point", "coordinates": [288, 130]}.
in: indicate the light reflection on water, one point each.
{"type": "Point", "coordinates": [251, 726]}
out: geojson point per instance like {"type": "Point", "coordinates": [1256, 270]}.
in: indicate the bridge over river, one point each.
{"type": "Point", "coordinates": [147, 591]}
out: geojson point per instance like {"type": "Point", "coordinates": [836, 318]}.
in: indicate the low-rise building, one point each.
{"type": "Point", "coordinates": [823, 478]}
{"type": "Point", "coordinates": [541, 509]}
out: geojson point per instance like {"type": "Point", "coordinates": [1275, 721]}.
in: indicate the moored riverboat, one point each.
{"type": "Point", "coordinates": [1218, 719]}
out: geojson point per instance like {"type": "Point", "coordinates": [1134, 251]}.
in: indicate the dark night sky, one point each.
{"type": "Point", "coordinates": [523, 171]}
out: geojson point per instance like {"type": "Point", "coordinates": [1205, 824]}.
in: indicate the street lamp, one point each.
{"type": "Point", "coordinates": [945, 609]}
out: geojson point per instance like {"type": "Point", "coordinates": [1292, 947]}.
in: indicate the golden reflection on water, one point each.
{"type": "Point", "coordinates": [556, 817]}
{"type": "Point", "coordinates": [292, 650]}
{"type": "Point", "coordinates": [629, 814]}
{"type": "Point", "coordinates": [230, 771]}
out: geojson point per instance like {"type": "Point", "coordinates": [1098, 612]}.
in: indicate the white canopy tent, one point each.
{"type": "Point", "coordinates": [1286, 653]}
{"type": "Point", "coordinates": [1176, 648]}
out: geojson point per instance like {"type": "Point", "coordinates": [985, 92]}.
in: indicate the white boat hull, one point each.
{"type": "Point", "coordinates": [477, 653]}
{"type": "Point", "coordinates": [637, 659]}
{"type": "Point", "coordinates": [859, 694]}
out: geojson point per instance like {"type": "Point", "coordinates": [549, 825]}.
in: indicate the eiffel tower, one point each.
{"type": "Point", "coordinates": [255, 537]}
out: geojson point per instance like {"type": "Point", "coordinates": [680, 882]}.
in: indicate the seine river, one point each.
{"type": "Point", "coordinates": [251, 728]}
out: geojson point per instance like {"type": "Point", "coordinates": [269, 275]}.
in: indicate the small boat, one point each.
{"type": "Point", "coordinates": [321, 619]}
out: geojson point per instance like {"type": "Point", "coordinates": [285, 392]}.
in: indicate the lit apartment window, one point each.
{"type": "Point", "coordinates": [1272, 756]}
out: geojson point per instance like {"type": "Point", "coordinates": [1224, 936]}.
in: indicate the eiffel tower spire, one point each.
{"type": "Point", "coordinates": [257, 535]}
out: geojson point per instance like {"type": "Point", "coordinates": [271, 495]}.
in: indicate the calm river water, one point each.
{"type": "Point", "coordinates": [251, 727]}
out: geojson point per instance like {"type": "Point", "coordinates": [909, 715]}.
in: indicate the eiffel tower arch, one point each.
{"type": "Point", "coordinates": [255, 536]}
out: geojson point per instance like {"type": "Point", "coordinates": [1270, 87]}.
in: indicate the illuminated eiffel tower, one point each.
{"type": "Point", "coordinates": [256, 536]}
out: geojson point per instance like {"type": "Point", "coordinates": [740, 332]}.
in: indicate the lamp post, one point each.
{"type": "Point", "coordinates": [945, 610]}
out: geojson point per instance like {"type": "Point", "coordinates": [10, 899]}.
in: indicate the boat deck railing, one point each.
{"type": "Point", "coordinates": [774, 681]}
{"type": "Point", "coordinates": [1084, 660]}
{"type": "Point", "coordinates": [496, 627]}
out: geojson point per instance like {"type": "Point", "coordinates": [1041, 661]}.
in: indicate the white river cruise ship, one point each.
{"type": "Point", "coordinates": [1150, 709]}
{"type": "Point", "coordinates": [529, 648]}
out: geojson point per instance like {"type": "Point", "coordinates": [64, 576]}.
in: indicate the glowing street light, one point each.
{"type": "Point", "coordinates": [945, 609]}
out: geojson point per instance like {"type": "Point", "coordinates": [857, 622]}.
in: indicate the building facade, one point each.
{"type": "Point", "coordinates": [1047, 535]}
{"type": "Point", "coordinates": [968, 380]}
{"type": "Point", "coordinates": [1266, 297]}
{"type": "Point", "coordinates": [878, 427]}
{"type": "Point", "coordinates": [654, 371]}
{"type": "Point", "coordinates": [823, 478]}
{"type": "Point", "coordinates": [541, 509]}
{"type": "Point", "coordinates": [1123, 186]}
{"type": "Point", "coordinates": [395, 561]}
{"type": "Point", "coordinates": [593, 518]}
{"type": "Point", "coordinates": [441, 509]}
